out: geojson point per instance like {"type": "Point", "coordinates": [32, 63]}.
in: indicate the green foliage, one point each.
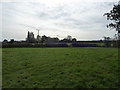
{"type": "Point", "coordinates": [60, 67]}
{"type": "Point", "coordinates": [114, 15]}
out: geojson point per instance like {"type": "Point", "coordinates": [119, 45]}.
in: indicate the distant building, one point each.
{"type": "Point", "coordinates": [52, 40]}
{"type": "Point", "coordinates": [40, 39]}
{"type": "Point", "coordinates": [30, 37]}
{"type": "Point", "coordinates": [46, 39]}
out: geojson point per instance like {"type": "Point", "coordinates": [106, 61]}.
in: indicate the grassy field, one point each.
{"type": "Point", "coordinates": [0, 68]}
{"type": "Point", "coordinates": [87, 67]}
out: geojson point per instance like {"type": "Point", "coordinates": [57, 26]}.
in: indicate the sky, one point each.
{"type": "Point", "coordinates": [82, 20]}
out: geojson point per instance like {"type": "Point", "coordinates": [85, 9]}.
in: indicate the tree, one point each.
{"type": "Point", "coordinates": [12, 40]}
{"type": "Point", "coordinates": [114, 16]}
{"type": "Point", "coordinates": [107, 41]}
{"type": "Point", "coordinates": [74, 40]}
{"type": "Point", "coordinates": [44, 38]}
{"type": "Point", "coordinates": [5, 41]}
{"type": "Point", "coordinates": [69, 37]}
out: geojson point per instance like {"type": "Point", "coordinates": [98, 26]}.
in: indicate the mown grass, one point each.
{"type": "Point", "coordinates": [0, 68]}
{"type": "Point", "coordinates": [88, 67]}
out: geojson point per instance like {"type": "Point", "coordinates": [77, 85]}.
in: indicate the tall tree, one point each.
{"type": "Point", "coordinates": [69, 37]}
{"type": "Point", "coordinates": [114, 16]}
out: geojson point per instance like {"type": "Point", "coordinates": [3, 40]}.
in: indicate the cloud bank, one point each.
{"type": "Point", "coordinates": [82, 20]}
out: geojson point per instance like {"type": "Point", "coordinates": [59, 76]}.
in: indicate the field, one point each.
{"type": "Point", "coordinates": [0, 68]}
{"type": "Point", "coordinates": [87, 67]}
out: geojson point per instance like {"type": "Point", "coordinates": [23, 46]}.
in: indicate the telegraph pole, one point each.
{"type": "Point", "coordinates": [38, 31]}
{"type": "Point", "coordinates": [38, 37]}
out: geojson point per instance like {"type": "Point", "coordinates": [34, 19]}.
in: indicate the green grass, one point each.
{"type": "Point", "coordinates": [87, 67]}
{"type": "Point", "coordinates": [0, 68]}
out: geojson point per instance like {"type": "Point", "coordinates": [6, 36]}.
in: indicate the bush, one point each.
{"type": "Point", "coordinates": [30, 45]}
{"type": "Point", "coordinates": [85, 45]}
{"type": "Point", "coordinates": [56, 45]}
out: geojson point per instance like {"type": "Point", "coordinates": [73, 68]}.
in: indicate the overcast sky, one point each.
{"type": "Point", "coordinates": [81, 20]}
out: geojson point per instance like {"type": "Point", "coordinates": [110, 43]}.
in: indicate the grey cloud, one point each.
{"type": "Point", "coordinates": [60, 18]}
{"type": "Point", "coordinates": [42, 28]}
{"type": "Point", "coordinates": [87, 23]}
{"type": "Point", "coordinates": [53, 13]}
